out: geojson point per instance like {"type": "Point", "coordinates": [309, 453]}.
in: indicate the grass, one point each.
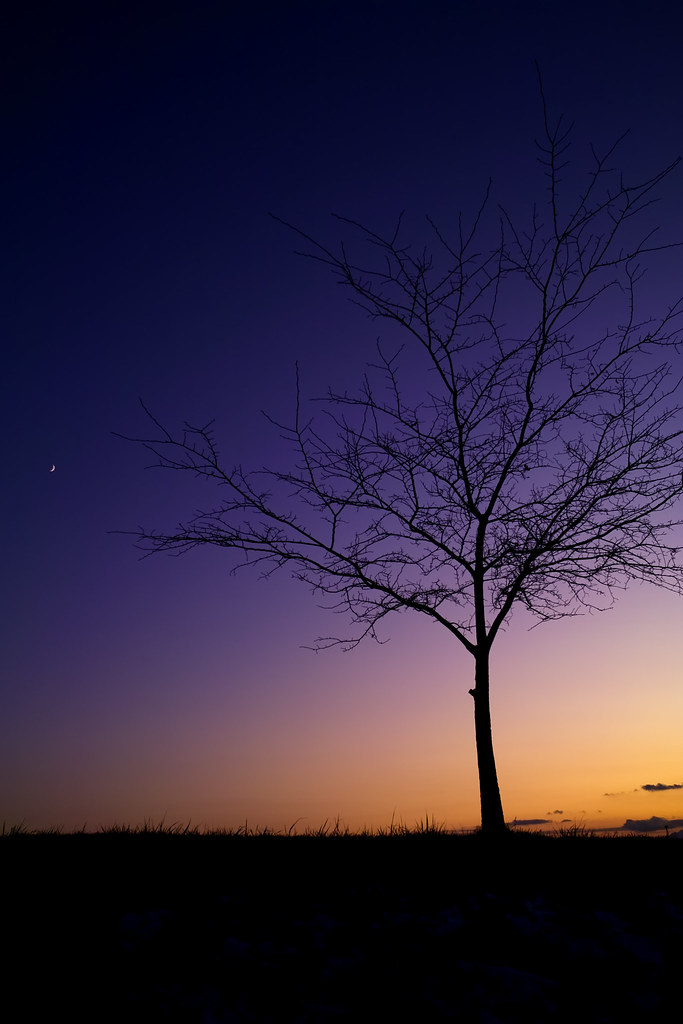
{"type": "Point", "coordinates": [328, 830]}
{"type": "Point", "coordinates": [310, 924]}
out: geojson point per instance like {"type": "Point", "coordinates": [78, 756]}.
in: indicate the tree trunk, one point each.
{"type": "Point", "coordinates": [492, 820]}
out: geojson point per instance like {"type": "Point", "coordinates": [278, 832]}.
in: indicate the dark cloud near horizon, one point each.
{"type": "Point", "coordinates": [554, 812]}
{"type": "Point", "coordinates": [529, 821]}
{"type": "Point", "coordinates": [658, 787]}
{"type": "Point", "coordinates": [653, 824]}
{"type": "Point", "coordinates": [624, 792]}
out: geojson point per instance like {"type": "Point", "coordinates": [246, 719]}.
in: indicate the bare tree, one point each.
{"type": "Point", "coordinates": [538, 466]}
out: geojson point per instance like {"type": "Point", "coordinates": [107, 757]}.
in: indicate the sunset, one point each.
{"type": "Point", "coordinates": [313, 739]}
{"type": "Point", "coordinates": [183, 189]}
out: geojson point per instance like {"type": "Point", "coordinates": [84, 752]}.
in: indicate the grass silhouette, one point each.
{"type": "Point", "coordinates": [328, 829]}
{"type": "Point", "coordinates": [169, 921]}
{"type": "Point", "coordinates": [148, 827]}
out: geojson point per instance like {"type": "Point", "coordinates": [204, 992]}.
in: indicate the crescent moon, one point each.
{"type": "Point", "coordinates": [53, 469]}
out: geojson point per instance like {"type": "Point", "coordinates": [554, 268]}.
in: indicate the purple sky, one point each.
{"type": "Point", "coordinates": [145, 145]}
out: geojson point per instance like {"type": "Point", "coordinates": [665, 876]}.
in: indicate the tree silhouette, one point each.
{"type": "Point", "coordinates": [531, 457]}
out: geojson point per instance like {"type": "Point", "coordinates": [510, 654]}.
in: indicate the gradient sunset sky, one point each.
{"type": "Point", "coordinates": [145, 145]}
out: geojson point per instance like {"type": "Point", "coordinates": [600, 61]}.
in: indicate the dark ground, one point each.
{"type": "Point", "coordinates": [270, 928]}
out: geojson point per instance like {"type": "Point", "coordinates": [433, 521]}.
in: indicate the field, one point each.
{"type": "Point", "coordinates": [160, 924]}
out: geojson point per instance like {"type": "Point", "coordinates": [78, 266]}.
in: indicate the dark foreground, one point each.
{"type": "Point", "coordinates": [272, 928]}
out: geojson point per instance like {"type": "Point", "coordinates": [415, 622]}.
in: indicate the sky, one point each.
{"type": "Point", "coordinates": [145, 147]}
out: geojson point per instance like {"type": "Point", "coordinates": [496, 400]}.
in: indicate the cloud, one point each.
{"type": "Point", "coordinates": [652, 824]}
{"type": "Point", "coordinates": [624, 792]}
{"type": "Point", "coordinates": [554, 812]}
{"type": "Point", "coordinates": [529, 821]}
{"type": "Point", "coordinates": [657, 787]}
